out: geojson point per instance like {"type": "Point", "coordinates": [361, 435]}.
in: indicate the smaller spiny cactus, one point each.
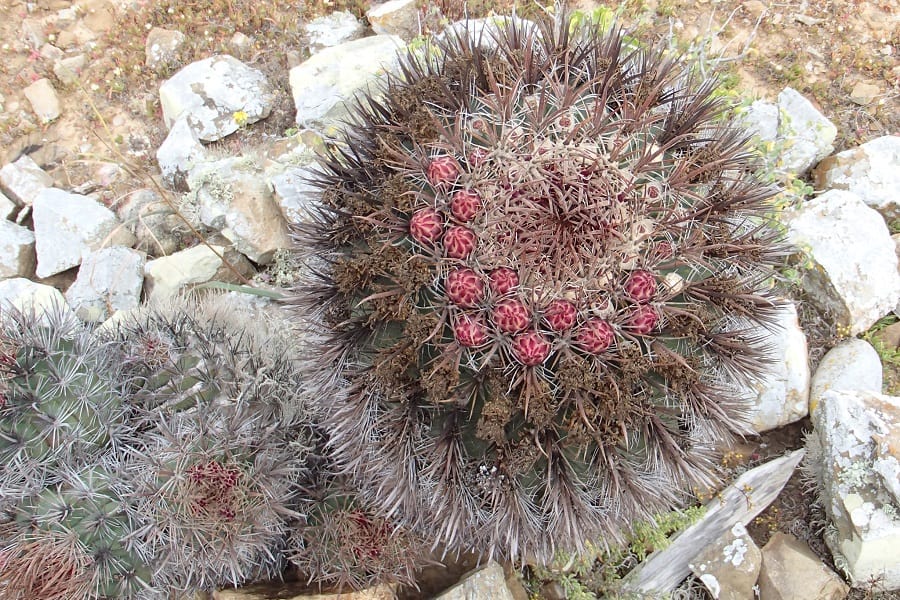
{"type": "Point", "coordinates": [59, 405]}
{"type": "Point", "coordinates": [222, 441]}
{"type": "Point", "coordinates": [82, 524]}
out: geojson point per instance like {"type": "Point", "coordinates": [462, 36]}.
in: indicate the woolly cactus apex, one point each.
{"type": "Point", "coordinates": [495, 252]}
{"type": "Point", "coordinates": [224, 440]}
{"type": "Point", "coordinates": [59, 402]}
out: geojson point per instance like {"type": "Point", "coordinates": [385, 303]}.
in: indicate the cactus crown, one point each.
{"type": "Point", "coordinates": [540, 262]}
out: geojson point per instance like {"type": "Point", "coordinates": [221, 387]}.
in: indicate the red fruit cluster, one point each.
{"type": "Point", "coordinates": [465, 288]}
{"type": "Point", "coordinates": [560, 315]}
{"type": "Point", "coordinates": [511, 316]}
{"type": "Point", "coordinates": [531, 348]}
{"type": "Point", "coordinates": [641, 286]}
{"type": "Point", "coordinates": [595, 336]}
{"type": "Point", "coordinates": [213, 491]}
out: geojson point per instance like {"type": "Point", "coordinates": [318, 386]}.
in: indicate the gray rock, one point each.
{"type": "Point", "coordinates": [27, 296]}
{"type": "Point", "coordinates": [730, 565]}
{"type": "Point", "coordinates": [43, 99]}
{"type": "Point", "coordinates": [321, 84]}
{"type": "Point", "coordinates": [782, 396]}
{"type": "Point", "coordinates": [152, 221]}
{"type": "Point", "coordinates": [790, 571]}
{"type": "Point", "coordinates": [488, 581]}
{"type": "Point", "coordinates": [809, 133]}
{"type": "Point", "coordinates": [852, 365]}
{"type": "Point", "coordinates": [8, 208]}
{"type": "Point", "coordinates": [210, 91]}
{"type": "Point", "coordinates": [167, 275]}
{"type": "Point", "coordinates": [179, 153]}
{"type": "Point", "coordinates": [163, 48]}
{"type": "Point", "coordinates": [395, 17]}
{"type": "Point", "coordinates": [800, 136]}
{"type": "Point", "coordinates": [68, 69]}
{"type": "Point", "coordinates": [871, 171]}
{"type": "Point", "coordinates": [23, 179]}
{"type": "Point", "coordinates": [854, 452]}
{"type": "Point", "coordinates": [67, 225]}
{"type": "Point", "coordinates": [16, 250]}
{"type": "Point", "coordinates": [294, 193]}
{"type": "Point", "coordinates": [332, 30]}
{"type": "Point", "coordinates": [109, 280]}
{"type": "Point", "coordinates": [234, 199]}
{"type": "Point", "coordinates": [851, 248]}
{"type": "Point", "coordinates": [739, 502]}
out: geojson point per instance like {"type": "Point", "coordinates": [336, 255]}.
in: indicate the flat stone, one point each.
{"type": "Point", "coordinates": [43, 99]}
{"type": "Point", "coordinates": [23, 179]}
{"type": "Point", "coordinates": [790, 571]}
{"type": "Point", "coordinates": [26, 296]}
{"type": "Point", "coordinates": [179, 153]}
{"type": "Point", "coordinates": [163, 48]}
{"type": "Point", "coordinates": [864, 93]}
{"type": "Point", "coordinates": [740, 502]}
{"type": "Point", "coordinates": [889, 336]}
{"type": "Point", "coordinates": [730, 565]}
{"type": "Point", "coordinates": [211, 91]}
{"type": "Point", "coordinates": [67, 225]}
{"type": "Point", "coordinates": [854, 454]}
{"type": "Point", "coordinates": [167, 275]}
{"type": "Point", "coordinates": [321, 84]}
{"type": "Point", "coordinates": [395, 17]}
{"type": "Point", "coordinates": [782, 395]}
{"type": "Point", "coordinates": [68, 69]}
{"type": "Point", "coordinates": [16, 250]}
{"type": "Point", "coordinates": [852, 365]}
{"type": "Point", "coordinates": [234, 199]}
{"type": "Point", "coordinates": [487, 581]}
{"type": "Point", "coordinates": [871, 171]}
{"type": "Point", "coordinates": [850, 247]}
{"type": "Point", "coordinates": [332, 30]}
{"type": "Point", "coordinates": [109, 280]}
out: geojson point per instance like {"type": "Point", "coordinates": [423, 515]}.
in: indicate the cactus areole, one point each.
{"type": "Point", "coordinates": [541, 260]}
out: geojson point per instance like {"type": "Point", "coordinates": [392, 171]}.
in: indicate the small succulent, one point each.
{"type": "Point", "coordinates": [539, 262]}
{"type": "Point", "coordinates": [222, 442]}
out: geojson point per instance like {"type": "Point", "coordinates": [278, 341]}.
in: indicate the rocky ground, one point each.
{"type": "Point", "coordinates": [80, 96]}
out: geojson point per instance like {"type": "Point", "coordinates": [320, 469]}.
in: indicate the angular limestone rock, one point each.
{"type": "Point", "coordinates": [321, 84]}
{"type": "Point", "coordinates": [109, 280]}
{"type": "Point", "coordinates": [332, 30]}
{"type": "Point", "coordinates": [782, 396]}
{"type": "Point", "coordinates": [26, 295]}
{"type": "Point", "coordinates": [730, 565]}
{"type": "Point", "coordinates": [871, 171]}
{"type": "Point", "coordinates": [851, 249]}
{"type": "Point", "coordinates": [854, 452]}
{"type": "Point", "coordinates": [67, 225]}
{"type": "Point", "coordinates": [234, 199]}
{"type": "Point", "coordinates": [212, 92]}
{"type": "Point", "coordinates": [395, 17]}
{"type": "Point", "coordinates": [488, 581]}
{"type": "Point", "coordinates": [23, 179]}
{"type": "Point", "coordinates": [16, 250]}
{"type": "Point", "coordinates": [852, 365]}
{"type": "Point", "coordinates": [790, 571]}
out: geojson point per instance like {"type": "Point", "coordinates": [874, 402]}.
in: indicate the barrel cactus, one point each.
{"type": "Point", "coordinates": [222, 440]}
{"type": "Point", "coordinates": [59, 405]}
{"type": "Point", "coordinates": [75, 541]}
{"type": "Point", "coordinates": [541, 259]}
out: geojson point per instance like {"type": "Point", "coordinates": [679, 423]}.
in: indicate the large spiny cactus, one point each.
{"type": "Point", "coordinates": [540, 266]}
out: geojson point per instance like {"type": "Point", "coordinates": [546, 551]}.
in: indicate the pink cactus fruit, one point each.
{"type": "Point", "coordinates": [459, 242]}
{"type": "Point", "coordinates": [643, 320]}
{"type": "Point", "coordinates": [531, 348]}
{"type": "Point", "coordinates": [641, 286]}
{"type": "Point", "coordinates": [469, 331]}
{"type": "Point", "coordinates": [595, 336]}
{"type": "Point", "coordinates": [426, 226]}
{"type": "Point", "coordinates": [465, 204]}
{"type": "Point", "coordinates": [560, 315]}
{"type": "Point", "coordinates": [465, 288]}
{"type": "Point", "coordinates": [503, 280]}
{"type": "Point", "coordinates": [442, 171]}
{"type": "Point", "coordinates": [511, 316]}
